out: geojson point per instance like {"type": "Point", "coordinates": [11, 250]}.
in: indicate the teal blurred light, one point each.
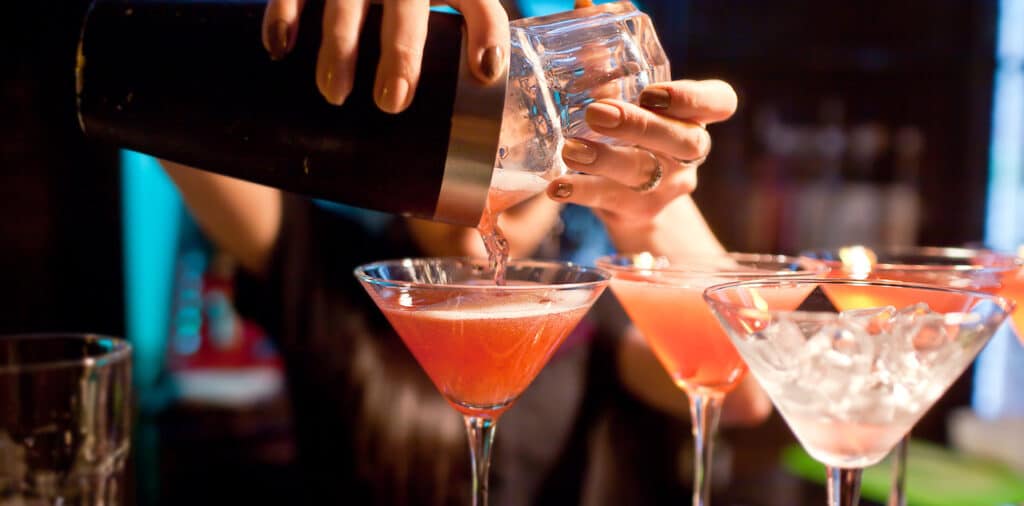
{"type": "Point", "coordinates": [532, 8]}
{"type": "Point", "coordinates": [152, 218]}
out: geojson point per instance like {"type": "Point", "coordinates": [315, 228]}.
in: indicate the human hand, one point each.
{"type": "Point", "coordinates": [403, 34]}
{"type": "Point", "coordinates": [668, 142]}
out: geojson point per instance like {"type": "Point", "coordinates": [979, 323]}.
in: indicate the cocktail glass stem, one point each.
{"type": "Point", "coordinates": [704, 410]}
{"type": "Point", "coordinates": [843, 486]}
{"type": "Point", "coordinates": [480, 431]}
{"type": "Point", "coordinates": [898, 496]}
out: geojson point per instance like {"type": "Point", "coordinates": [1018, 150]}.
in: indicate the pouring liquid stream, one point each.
{"type": "Point", "coordinates": [510, 187]}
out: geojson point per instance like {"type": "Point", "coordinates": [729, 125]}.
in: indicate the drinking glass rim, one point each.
{"type": "Point", "coordinates": [121, 351]}
{"type": "Point", "coordinates": [605, 262]}
{"type": "Point", "coordinates": [361, 274]}
{"type": "Point", "coordinates": [1004, 303]}
{"type": "Point", "coordinates": [1012, 261]}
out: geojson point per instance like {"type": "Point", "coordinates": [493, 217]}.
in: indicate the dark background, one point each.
{"type": "Point", "coordinates": [923, 66]}
{"type": "Point", "coordinates": [59, 194]}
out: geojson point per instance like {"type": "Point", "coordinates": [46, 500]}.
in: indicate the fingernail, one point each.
{"type": "Point", "coordinates": [278, 40]}
{"type": "Point", "coordinates": [603, 115]}
{"type": "Point", "coordinates": [656, 99]}
{"type": "Point", "coordinates": [491, 62]}
{"type": "Point", "coordinates": [335, 90]}
{"type": "Point", "coordinates": [562, 191]}
{"type": "Point", "coordinates": [579, 152]}
{"type": "Point", "coordinates": [392, 95]}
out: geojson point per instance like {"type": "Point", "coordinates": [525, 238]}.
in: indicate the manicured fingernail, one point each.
{"type": "Point", "coordinates": [392, 96]}
{"type": "Point", "coordinates": [278, 40]}
{"type": "Point", "coordinates": [579, 152]}
{"type": "Point", "coordinates": [562, 190]}
{"type": "Point", "coordinates": [655, 99]}
{"type": "Point", "coordinates": [603, 115]}
{"type": "Point", "coordinates": [335, 89]}
{"type": "Point", "coordinates": [491, 62]}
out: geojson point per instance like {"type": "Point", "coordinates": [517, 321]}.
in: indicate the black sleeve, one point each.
{"type": "Point", "coordinates": [336, 347]}
{"type": "Point", "coordinates": [312, 259]}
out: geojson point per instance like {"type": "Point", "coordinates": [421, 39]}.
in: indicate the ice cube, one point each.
{"type": "Point", "coordinates": [811, 372]}
{"type": "Point", "coordinates": [786, 336]}
{"type": "Point", "coordinates": [771, 365]}
{"type": "Point", "coordinates": [966, 328]}
{"type": "Point", "coordinates": [909, 313]}
{"type": "Point", "coordinates": [872, 320]}
{"type": "Point", "coordinates": [818, 343]}
{"type": "Point", "coordinates": [851, 346]}
{"type": "Point", "coordinates": [925, 334]}
{"type": "Point", "coordinates": [776, 350]}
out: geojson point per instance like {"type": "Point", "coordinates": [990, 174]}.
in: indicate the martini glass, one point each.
{"type": "Point", "coordinates": [663, 299]}
{"type": "Point", "coordinates": [850, 384]}
{"type": "Point", "coordinates": [480, 343]}
{"type": "Point", "coordinates": [973, 269]}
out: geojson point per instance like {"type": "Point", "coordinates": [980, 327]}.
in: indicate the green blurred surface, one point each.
{"type": "Point", "coordinates": [936, 476]}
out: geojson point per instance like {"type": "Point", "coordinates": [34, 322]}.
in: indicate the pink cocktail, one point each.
{"type": "Point", "coordinates": [663, 298]}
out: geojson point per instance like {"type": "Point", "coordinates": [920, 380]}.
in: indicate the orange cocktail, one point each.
{"type": "Point", "coordinates": [680, 328]}
{"type": "Point", "coordinates": [481, 343]}
{"type": "Point", "coordinates": [481, 356]}
{"type": "Point", "coordinates": [856, 296]}
{"type": "Point", "coordinates": [663, 298]}
{"type": "Point", "coordinates": [1012, 286]}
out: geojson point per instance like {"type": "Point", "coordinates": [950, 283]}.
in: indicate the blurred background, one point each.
{"type": "Point", "coordinates": [888, 123]}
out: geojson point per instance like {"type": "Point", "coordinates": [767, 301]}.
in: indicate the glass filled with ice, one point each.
{"type": "Point", "coordinates": [851, 383]}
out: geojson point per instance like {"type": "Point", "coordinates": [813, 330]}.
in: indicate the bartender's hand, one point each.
{"type": "Point", "coordinates": [667, 141]}
{"type": "Point", "coordinates": [403, 34]}
{"type": "Point", "coordinates": [641, 190]}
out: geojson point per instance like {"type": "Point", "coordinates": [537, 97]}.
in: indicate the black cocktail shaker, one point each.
{"type": "Point", "coordinates": [191, 82]}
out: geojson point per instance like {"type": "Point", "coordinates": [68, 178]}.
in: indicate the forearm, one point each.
{"type": "Point", "coordinates": [645, 378]}
{"type": "Point", "coordinates": [678, 229]}
{"type": "Point", "coordinates": [242, 218]}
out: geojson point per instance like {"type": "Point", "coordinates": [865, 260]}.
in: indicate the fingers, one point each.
{"type": "Point", "coordinates": [681, 139]}
{"type": "Point", "coordinates": [700, 101]}
{"type": "Point", "coordinates": [627, 165]}
{"type": "Point", "coordinates": [487, 36]}
{"type": "Point", "coordinates": [280, 26]}
{"type": "Point", "coordinates": [609, 196]}
{"type": "Point", "coordinates": [403, 33]}
{"type": "Point", "coordinates": [336, 63]}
